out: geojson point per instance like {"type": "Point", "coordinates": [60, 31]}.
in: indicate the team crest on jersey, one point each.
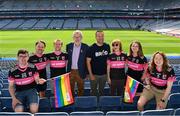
{"type": "Point", "coordinates": [137, 61]}
{"type": "Point", "coordinates": [30, 73]}
{"type": "Point", "coordinates": [164, 77]}
{"type": "Point", "coordinates": [63, 57]}
{"type": "Point", "coordinates": [122, 58]}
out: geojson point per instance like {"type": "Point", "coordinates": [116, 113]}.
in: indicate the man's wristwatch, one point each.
{"type": "Point", "coordinates": [162, 100]}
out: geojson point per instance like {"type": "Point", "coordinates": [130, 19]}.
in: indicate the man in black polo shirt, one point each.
{"type": "Point", "coordinates": [96, 63]}
{"type": "Point", "coordinates": [22, 84]}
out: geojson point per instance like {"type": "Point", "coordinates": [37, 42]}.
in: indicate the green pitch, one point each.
{"type": "Point", "coordinates": [11, 41]}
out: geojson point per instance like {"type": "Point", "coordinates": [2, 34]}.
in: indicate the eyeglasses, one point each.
{"type": "Point", "coordinates": [23, 56]}
{"type": "Point", "coordinates": [115, 45]}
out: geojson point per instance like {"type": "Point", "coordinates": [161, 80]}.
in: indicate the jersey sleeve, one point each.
{"type": "Point", "coordinates": [172, 76]}
{"type": "Point", "coordinates": [10, 77]}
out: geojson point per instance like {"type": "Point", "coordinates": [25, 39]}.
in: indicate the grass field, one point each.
{"type": "Point", "coordinates": [11, 41]}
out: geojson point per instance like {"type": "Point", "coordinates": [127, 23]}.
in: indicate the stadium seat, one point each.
{"type": "Point", "coordinates": [44, 105]}
{"type": "Point", "coordinates": [175, 89]}
{"type": "Point", "coordinates": [91, 113]}
{"type": "Point", "coordinates": [151, 105]}
{"type": "Point", "coordinates": [52, 114]}
{"type": "Point", "coordinates": [85, 103]}
{"type": "Point", "coordinates": [164, 112]}
{"type": "Point", "coordinates": [110, 103]}
{"type": "Point", "coordinates": [6, 103]}
{"type": "Point", "coordinates": [122, 113]}
{"type": "Point", "coordinates": [177, 112]}
{"type": "Point", "coordinates": [130, 106]}
{"type": "Point", "coordinates": [5, 93]}
{"type": "Point", "coordinates": [15, 114]}
{"type": "Point", "coordinates": [69, 108]}
{"type": "Point", "coordinates": [174, 101]}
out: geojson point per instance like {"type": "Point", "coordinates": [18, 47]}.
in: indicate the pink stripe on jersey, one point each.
{"type": "Point", "coordinates": [158, 82]}
{"type": "Point", "coordinates": [58, 64]}
{"type": "Point", "coordinates": [135, 66]}
{"type": "Point", "coordinates": [117, 64]}
{"type": "Point", "coordinates": [24, 81]}
{"type": "Point", "coordinates": [41, 65]}
{"type": "Point", "coordinates": [173, 78]}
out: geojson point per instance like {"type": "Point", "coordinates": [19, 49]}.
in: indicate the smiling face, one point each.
{"type": "Point", "coordinates": [100, 37]}
{"type": "Point", "coordinates": [58, 45]}
{"type": "Point", "coordinates": [77, 37]}
{"type": "Point", "coordinates": [40, 48]}
{"type": "Point", "coordinates": [23, 59]}
{"type": "Point", "coordinates": [158, 60]}
{"type": "Point", "coordinates": [135, 48]}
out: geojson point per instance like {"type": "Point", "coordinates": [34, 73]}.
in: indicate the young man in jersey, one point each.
{"type": "Point", "coordinates": [96, 64]}
{"type": "Point", "coordinates": [22, 84]}
{"type": "Point", "coordinates": [58, 61]}
{"type": "Point", "coordinates": [116, 68]}
{"type": "Point", "coordinates": [159, 78]}
{"type": "Point", "coordinates": [77, 62]}
{"type": "Point", "coordinates": [40, 61]}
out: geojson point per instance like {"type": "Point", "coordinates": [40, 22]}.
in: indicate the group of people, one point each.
{"type": "Point", "coordinates": [96, 63]}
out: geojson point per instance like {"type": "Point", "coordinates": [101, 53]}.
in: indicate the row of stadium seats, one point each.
{"type": "Point", "coordinates": [86, 5]}
{"type": "Point", "coordinates": [92, 103]}
{"type": "Point", "coordinates": [95, 23]}
{"type": "Point", "coordinates": [169, 112]}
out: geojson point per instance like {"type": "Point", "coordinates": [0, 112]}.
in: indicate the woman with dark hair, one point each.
{"type": "Point", "coordinates": [159, 78]}
{"type": "Point", "coordinates": [116, 68]}
{"type": "Point", "coordinates": [137, 63]}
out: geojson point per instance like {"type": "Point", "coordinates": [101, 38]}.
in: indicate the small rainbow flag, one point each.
{"type": "Point", "coordinates": [62, 91]}
{"type": "Point", "coordinates": [130, 89]}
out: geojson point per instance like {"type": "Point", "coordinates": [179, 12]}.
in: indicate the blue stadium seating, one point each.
{"type": "Point", "coordinates": [85, 103]}
{"type": "Point", "coordinates": [15, 114]}
{"type": "Point", "coordinates": [91, 113]}
{"type": "Point", "coordinates": [123, 113]}
{"type": "Point", "coordinates": [164, 112]}
{"type": "Point", "coordinates": [69, 108]}
{"type": "Point", "coordinates": [175, 89]}
{"type": "Point", "coordinates": [110, 103]}
{"type": "Point", "coordinates": [6, 103]}
{"type": "Point", "coordinates": [44, 105]}
{"type": "Point", "coordinates": [130, 106]}
{"type": "Point", "coordinates": [174, 101]}
{"type": "Point", "coordinates": [151, 105]}
{"type": "Point", "coordinates": [52, 114]}
{"type": "Point", "coordinates": [177, 112]}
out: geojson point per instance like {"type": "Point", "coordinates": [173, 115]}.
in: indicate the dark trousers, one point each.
{"type": "Point", "coordinates": [97, 85]}
{"type": "Point", "coordinates": [117, 87]}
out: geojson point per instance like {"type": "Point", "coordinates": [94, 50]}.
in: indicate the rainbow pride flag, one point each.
{"type": "Point", "coordinates": [130, 89]}
{"type": "Point", "coordinates": [62, 91]}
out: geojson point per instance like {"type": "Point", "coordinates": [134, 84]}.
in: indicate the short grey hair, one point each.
{"type": "Point", "coordinates": [77, 31]}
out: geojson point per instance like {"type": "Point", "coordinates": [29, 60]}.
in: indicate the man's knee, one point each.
{"type": "Point", "coordinates": [34, 108]}
{"type": "Point", "coordinates": [19, 108]}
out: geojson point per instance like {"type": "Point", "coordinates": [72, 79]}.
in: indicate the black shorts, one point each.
{"type": "Point", "coordinates": [42, 87]}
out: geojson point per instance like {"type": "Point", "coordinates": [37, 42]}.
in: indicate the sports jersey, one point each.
{"type": "Point", "coordinates": [23, 78]}
{"type": "Point", "coordinates": [159, 80]}
{"type": "Point", "coordinates": [58, 63]}
{"type": "Point", "coordinates": [136, 66]}
{"type": "Point", "coordinates": [40, 62]}
{"type": "Point", "coordinates": [117, 65]}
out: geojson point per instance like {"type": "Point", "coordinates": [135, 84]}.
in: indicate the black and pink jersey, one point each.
{"type": "Point", "coordinates": [23, 79]}
{"type": "Point", "coordinates": [136, 66]}
{"type": "Point", "coordinates": [40, 62]}
{"type": "Point", "coordinates": [58, 63]}
{"type": "Point", "coordinates": [159, 80]}
{"type": "Point", "coordinates": [117, 64]}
